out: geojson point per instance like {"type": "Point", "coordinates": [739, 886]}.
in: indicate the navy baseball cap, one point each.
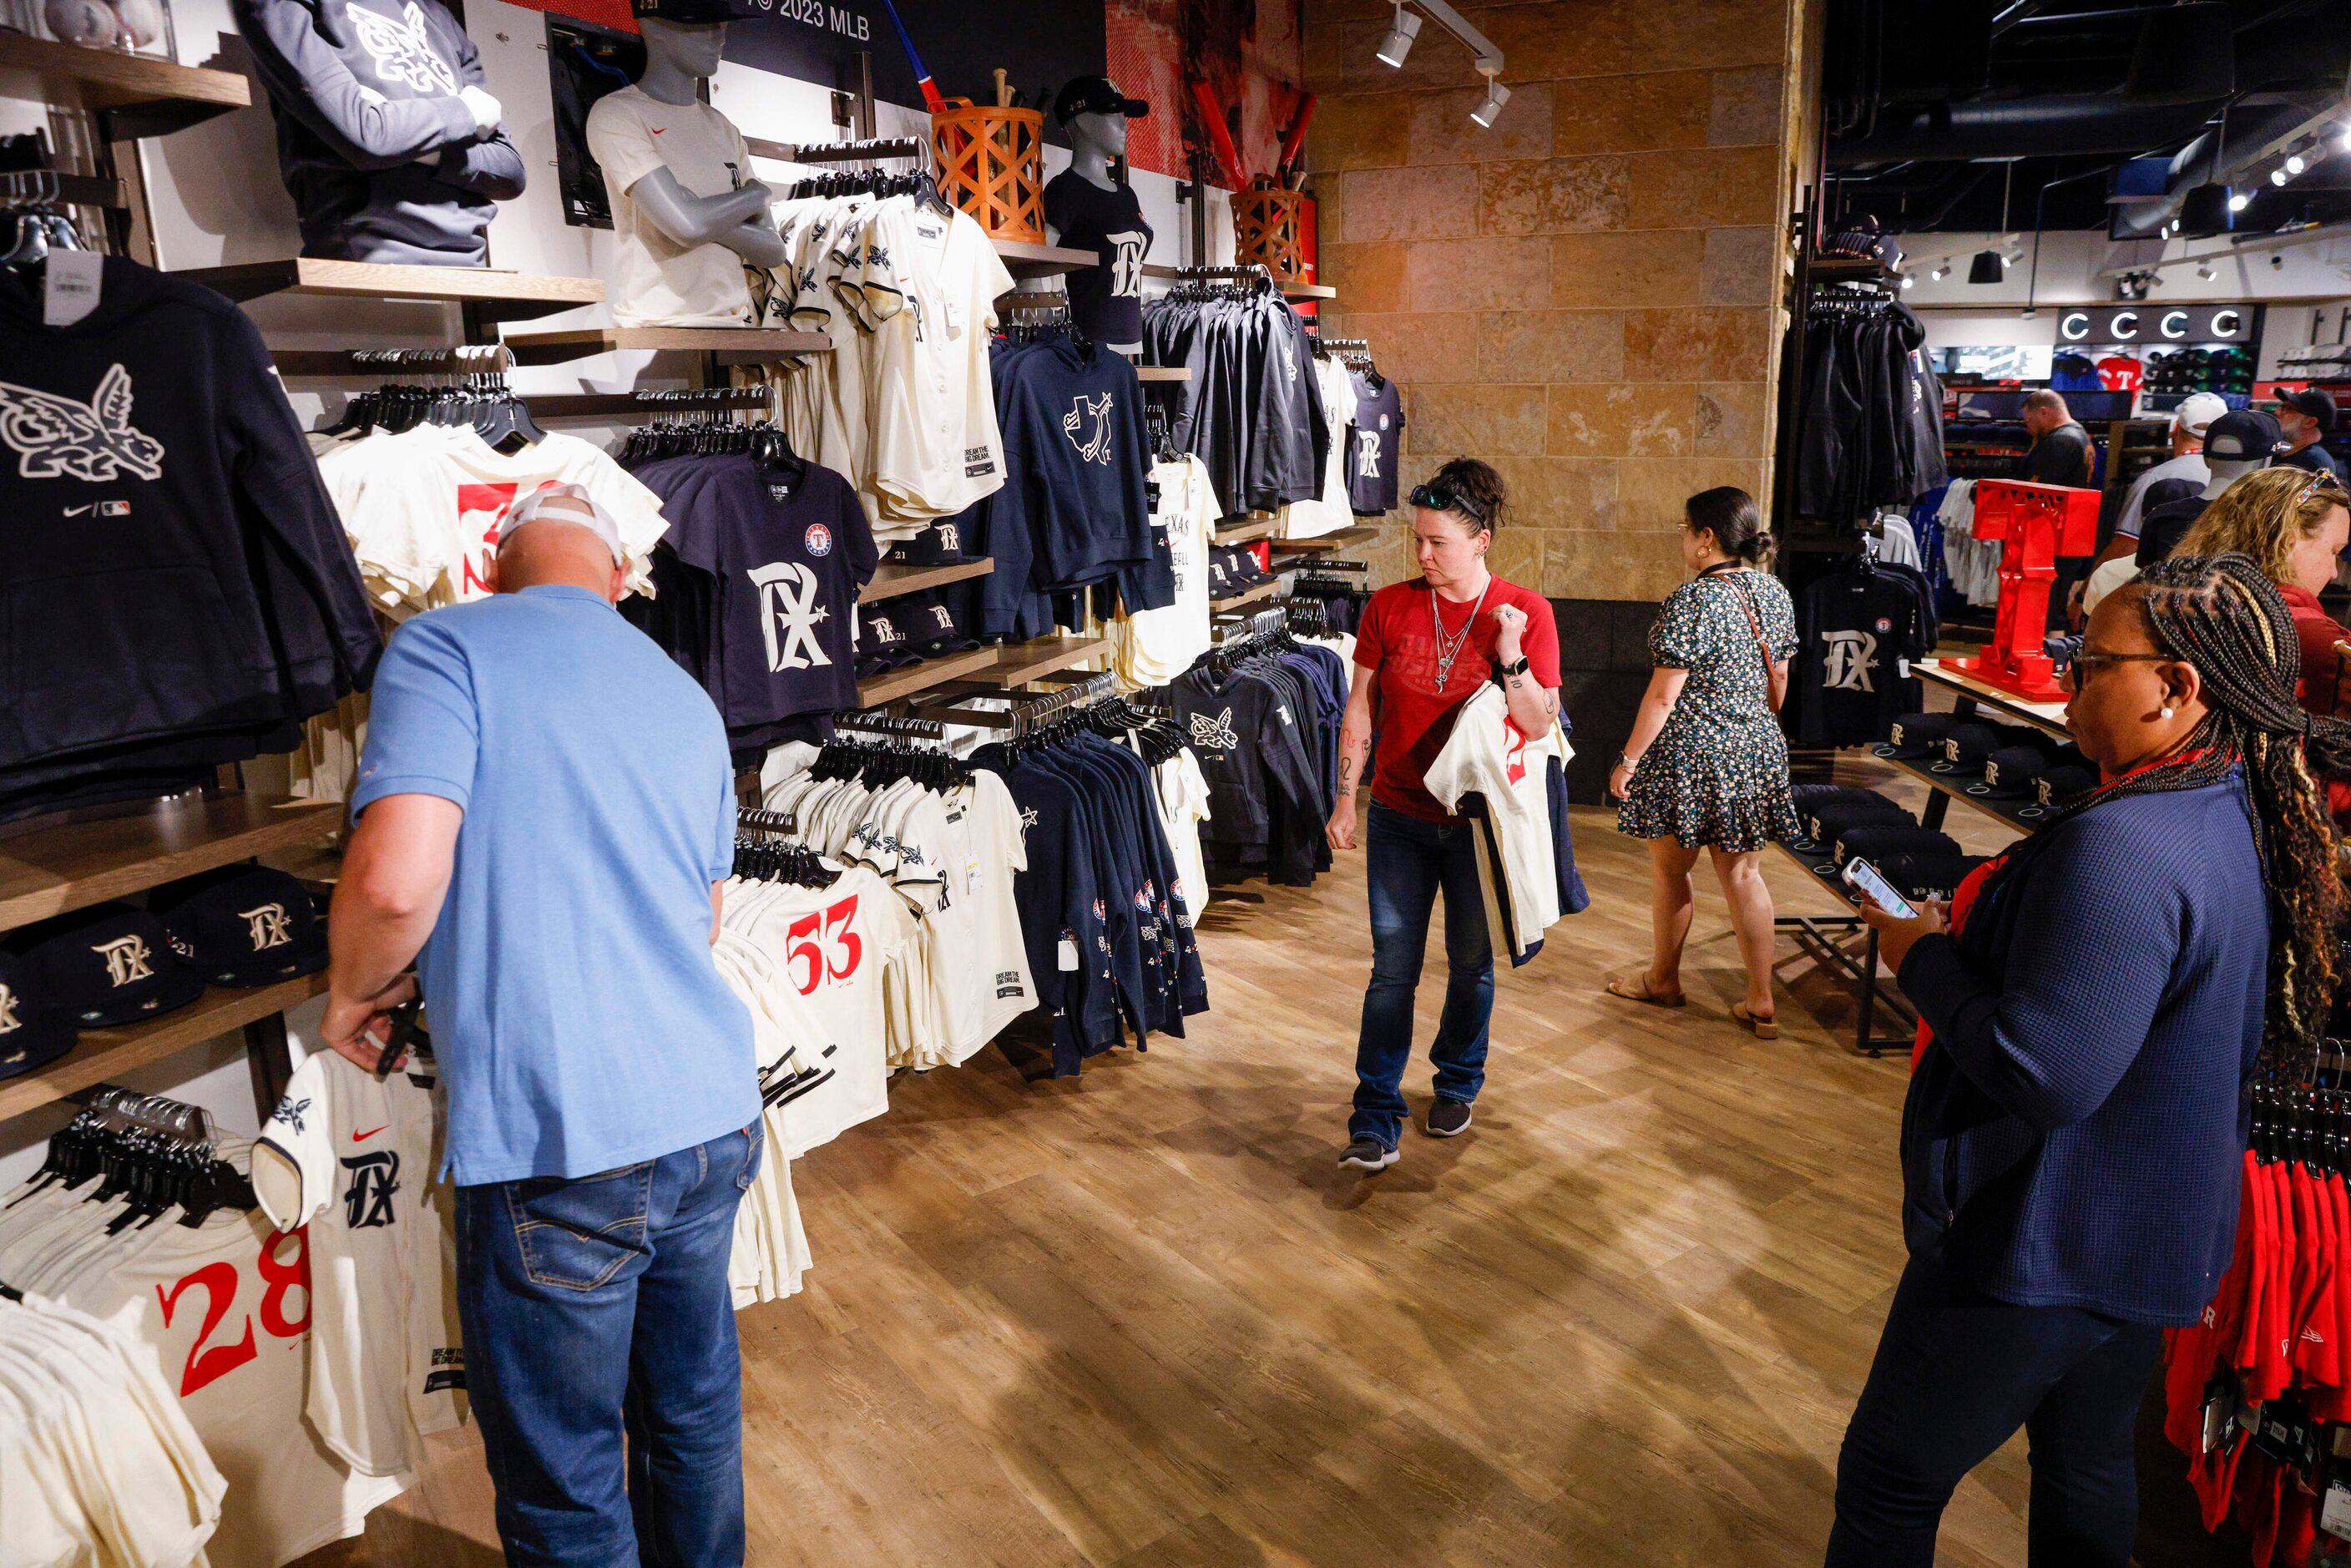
{"type": "Point", "coordinates": [2012, 771]}
{"type": "Point", "coordinates": [940, 544]}
{"type": "Point", "coordinates": [1826, 824]}
{"type": "Point", "coordinates": [1094, 95]}
{"type": "Point", "coordinates": [34, 1032]}
{"type": "Point", "coordinates": [933, 626]}
{"type": "Point", "coordinates": [1930, 874]}
{"type": "Point", "coordinates": [1918, 734]}
{"type": "Point", "coordinates": [2310, 403]}
{"type": "Point", "coordinates": [253, 927]}
{"type": "Point", "coordinates": [2062, 783]}
{"type": "Point", "coordinates": [2244, 435]}
{"type": "Point", "coordinates": [1876, 841]}
{"type": "Point", "coordinates": [882, 644]}
{"type": "Point", "coordinates": [109, 964]}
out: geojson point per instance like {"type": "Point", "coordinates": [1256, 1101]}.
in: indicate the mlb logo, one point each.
{"type": "Point", "coordinates": [114, 508]}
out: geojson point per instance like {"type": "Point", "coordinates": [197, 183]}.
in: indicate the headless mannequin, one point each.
{"type": "Point", "coordinates": [1097, 141]}
{"type": "Point", "coordinates": [680, 56]}
{"type": "Point", "coordinates": [2226, 473]}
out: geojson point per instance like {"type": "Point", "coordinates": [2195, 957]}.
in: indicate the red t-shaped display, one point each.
{"type": "Point", "coordinates": [2036, 524]}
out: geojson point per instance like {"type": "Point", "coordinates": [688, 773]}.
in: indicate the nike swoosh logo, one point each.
{"type": "Point", "coordinates": [656, 130]}
{"type": "Point", "coordinates": [83, 510]}
{"type": "Point", "coordinates": [362, 1138]}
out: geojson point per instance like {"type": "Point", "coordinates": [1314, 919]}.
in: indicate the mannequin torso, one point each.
{"type": "Point", "coordinates": [1087, 209]}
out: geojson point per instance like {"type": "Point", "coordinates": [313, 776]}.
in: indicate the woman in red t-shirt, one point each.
{"type": "Point", "coordinates": [1424, 648]}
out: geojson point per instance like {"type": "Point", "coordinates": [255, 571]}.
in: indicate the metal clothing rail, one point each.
{"type": "Point", "coordinates": [900, 726]}
{"type": "Point", "coordinates": [875, 149]}
{"type": "Point", "coordinates": [760, 820]}
{"type": "Point", "coordinates": [457, 359]}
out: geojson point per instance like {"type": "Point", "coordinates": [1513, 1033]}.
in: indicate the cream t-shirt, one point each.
{"type": "Point", "coordinates": [656, 282]}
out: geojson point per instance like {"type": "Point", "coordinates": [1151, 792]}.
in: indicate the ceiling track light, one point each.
{"type": "Point", "coordinates": [1496, 95]}
{"type": "Point", "coordinates": [2239, 203]}
{"type": "Point", "coordinates": [2277, 176]}
{"type": "Point", "coordinates": [2207, 271]}
{"type": "Point", "coordinates": [2293, 163]}
{"type": "Point", "coordinates": [1398, 42]}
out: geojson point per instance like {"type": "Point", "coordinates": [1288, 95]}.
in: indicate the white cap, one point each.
{"type": "Point", "coordinates": [2197, 411]}
{"type": "Point", "coordinates": [565, 503]}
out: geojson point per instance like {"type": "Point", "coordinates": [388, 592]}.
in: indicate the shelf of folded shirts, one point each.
{"type": "Point", "coordinates": [143, 94]}
{"type": "Point", "coordinates": [1266, 590]}
{"type": "Point", "coordinates": [1018, 663]}
{"type": "Point", "coordinates": [1945, 777]}
{"type": "Point", "coordinates": [732, 345]}
{"type": "Point", "coordinates": [1324, 543]}
{"type": "Point", "coordinates": [103, 1053]}
{"type": "Point", "coordinates": [1149, 373]}
{"type": "Point", "coordinates": [922, 677]}
{"type": "Point", "coordinates": [1022, 259]}
{"type": "Point", "coordinates": [51, 869]}
{"type": "Point", "coordinates": [1245, 530]}
{"type": "Point", "coordinates": [892, 577]}
{"type": "Point", "coordinates": [502, 296]}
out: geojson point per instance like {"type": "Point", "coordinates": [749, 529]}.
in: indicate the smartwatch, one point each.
{"type": "Point", "coordinates": [1516, 668]}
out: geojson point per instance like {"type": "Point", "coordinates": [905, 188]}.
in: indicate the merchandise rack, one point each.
{"type": "Point", "coordinates": [1822, 931]}
{"type": "Point", "coordinates": [1248, 529]}
{"type": "Point", "coordinates": [922, 677]}
{"type": "Point", "coordinates": [1973, 694]}
{"type": "Point", "coordinates": [1246, 596]}
{"type": "Point", "coordinates": [488, 294]}
{"type": "Point", "coordinates": [1322, 543]}
{"type": "Point", "coordinates": [103, 1053]}
{"type": "Point", "coordinates": [1939, 776]}
{"type": "Point", "coordinates": [892, 577]}
{"type": "Point", "coordinates": [1019, 662]}
{"type": "Point", "coordinates": [139, 95]}
{"type": "Point", "coordinates": [730, 345]}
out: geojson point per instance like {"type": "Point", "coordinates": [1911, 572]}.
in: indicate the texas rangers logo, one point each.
{"type": "Point", "coordinates": [1367, 454]}
{"type": "Point", "coordinates": [367, 1202]}
{"type": "Point", "coordinates": [402, 47]}
{"type": "Point", "coordinates": [1102, 910]}
{"type": "Point", "coordinates": [126, 960]}
{"type": "Point", "coordinates": [1215, 732]}
{"type": "Point", "coordinates": [55, 436]}
{"type": "Point", "coordinates": [1087, 424]}
{"type": "Point", "coordinates": [819, 539]}
{"type": "Point", "coordinates": [949, 540]}
{"type": "Point", "coordinates": [1850, 657]}
{"type": "Point", "coordinates": [265, 927]}
{"type": "Point", "coordinates": [788, 615]}
{"type": "Point", "coordinates": [9, 1022]}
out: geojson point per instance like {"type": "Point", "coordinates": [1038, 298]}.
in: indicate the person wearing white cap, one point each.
{"type": "Point", "coordinates": [544, 814]}
{"type": "Point", "coordinates": [2186, 465]}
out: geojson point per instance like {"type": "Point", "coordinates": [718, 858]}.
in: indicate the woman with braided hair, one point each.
{"type": "Point", "coordinates": [2074, 1132]}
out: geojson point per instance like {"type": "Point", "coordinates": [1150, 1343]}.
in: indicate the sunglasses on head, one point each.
{"type": "Point", "coordinates": [1443, 498]}
{"type": "Point", "coordinates": [2320, 480]}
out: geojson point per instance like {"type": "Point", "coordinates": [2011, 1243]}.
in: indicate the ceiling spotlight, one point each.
{"type": "Point", "coordinates": [1987, 268]}
{"type": "Point", "coordinates": [1398, 43]}
{"type": "Point", "coordinates": [1941, 271]}
{"type": "Point", "coordinates": [1909, 281]}
{"type": "Point", "coordinates": [2206, 271]}
{"type": "Point", "coordinates": [2295, 165]}
{"type": "Point", "coordinates": [2346, 142]}
{"type": "Point", "coordinates": [1496, 95]}
{"type": "Point", "coordinates": [2277, 176]}
{"type": "Point", "coordinates": [2013, 254]}
{"type": "Point", "coordinates": [2238, 203]}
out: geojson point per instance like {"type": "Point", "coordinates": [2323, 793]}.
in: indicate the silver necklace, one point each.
{"type": "Point", "coordinates": [1447, 652]}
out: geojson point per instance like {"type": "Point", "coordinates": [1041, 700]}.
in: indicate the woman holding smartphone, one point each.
{"type": "Point", "coordinates": [2074, 1132]}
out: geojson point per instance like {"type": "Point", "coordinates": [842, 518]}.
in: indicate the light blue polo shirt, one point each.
{"type": "Point", "coordinates": [574, 1005]}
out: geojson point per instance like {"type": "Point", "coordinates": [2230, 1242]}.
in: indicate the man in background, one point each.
{"type": "Point", "coordinates": [545, 810]}
{"type": "Point", "coordinates": [2180, 474]}
{"type": "Point", "coordinates": [2307, 419]}
{"type": "Point", "coordinates": [2060, 448]}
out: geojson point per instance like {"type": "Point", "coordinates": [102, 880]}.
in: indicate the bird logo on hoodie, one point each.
{"type": "Point", "coordinates": [55, 436]}
{"type": "Point", "coordinates": [1087, 424]}
{"type": "Point", "coordinates": [402, 47]}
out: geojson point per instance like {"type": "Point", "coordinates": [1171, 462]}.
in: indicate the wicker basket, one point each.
{"type": "Point", "coordinates": [1268, 230]}
{"type": "Point", "coordinates": [992, 165]}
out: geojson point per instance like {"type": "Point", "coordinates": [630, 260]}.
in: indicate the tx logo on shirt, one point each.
{"type": "Point", "coordinates": [9, 1022]}
{"type": "Point", "coordinates": [126, 960]}
{"type": "Point", "coordinates": [367, 1202]}
{"type": "Point", "coordinates": [1215, 732]}
{"type": "Point", "coordinates": [788, 615]}
{"type": "Point", "coordinates": [403, 47]}
{"type": "Point", "coordinates": [53, 435]}
{"type": "Point", "coordinates": [265, 927]}
{"type": "Point", "coordinates": [1367, 454]}
{"type": "Point", "coordinates": [1850, 656]}
{"type": "Point", "coordinates": [1087, 424]}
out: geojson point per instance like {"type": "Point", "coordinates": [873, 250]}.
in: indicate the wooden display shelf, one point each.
{"type": "Point", "coordinates": [892, 578]}
{"type": "Point", "coordinates": [1017, 663]}
{"type": "Point", "coordinates": [1246, 596]}
{"type": "Point", "coordinates": [922, 677]}
{"type": "Point", "coordinates": [1309, 291]}
{"type": "Point", "coordinates": [2007, 810]}
{"type": "Point", "coordinates": [2048, 718]}
{"type": "Point", "coordinates": [76, 864]}
{"type": "Point", "coordinates": [732, 345]}
{"type": "Point", "coordinates": [104, 1053]}
{"type": "Point", "coordinates": [1151, 373]}
{"type": "Point", "coordinates": [1326, 543]}
{"type": "Point", "coordinates": [1023, 259]}
{"type": "Point", "coordinates": [1245, 531]}
{"type": "Point", "coordinates": [502, 296]}
{"type": "Point", "coordinates": [140, 94]}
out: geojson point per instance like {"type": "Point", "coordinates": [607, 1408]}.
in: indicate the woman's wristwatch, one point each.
{"type": "Point", "coordinates": [1517, 667]}
{"type": "Point", "coordinates": [1626, 760]}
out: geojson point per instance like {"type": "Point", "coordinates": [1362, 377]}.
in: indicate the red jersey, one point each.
{"type": "Point", "coordinates": [1396, 638]}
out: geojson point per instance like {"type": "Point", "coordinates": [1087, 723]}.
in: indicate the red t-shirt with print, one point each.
{"type": "Point", "coordinates": [1396, 638]}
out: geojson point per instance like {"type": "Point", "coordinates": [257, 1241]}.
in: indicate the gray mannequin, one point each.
{"type": "Point", "coordinates": [1097, 141]}
{"type": "Point", "coordinates": [679, 57]}
{"type": "Point", "coordinates": [1086, 208]}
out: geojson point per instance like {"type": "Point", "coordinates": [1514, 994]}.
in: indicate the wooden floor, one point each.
{"type": "Point", "coordinates": [1141, 1318]}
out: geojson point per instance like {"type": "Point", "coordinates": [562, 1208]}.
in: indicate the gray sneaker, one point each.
{"type": "Point", "coordinates": [1447, 1119]}
{"type": "Point", "coordinates": [1369, 1154]}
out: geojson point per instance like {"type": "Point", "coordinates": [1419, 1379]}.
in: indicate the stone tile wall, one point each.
{"type": "Point", "coordinates": [1584, 295]}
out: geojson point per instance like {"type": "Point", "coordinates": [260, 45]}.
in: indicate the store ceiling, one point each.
{"type": "Point", "coordinates": [1930, 110]}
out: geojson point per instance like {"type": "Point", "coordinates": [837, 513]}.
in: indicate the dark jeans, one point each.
{"type": "Point", "coordinates": [598, 1303]}
{"type": "Point", "coordinates": [1408, 859]}
{"type": "Point", "coordinates": [1956, 1374]}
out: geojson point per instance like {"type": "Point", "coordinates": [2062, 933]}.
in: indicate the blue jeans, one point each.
{"type": "Point", "coordinates": [1408, 859]}
{"type": "Point", "coordinates": [1956, 1374]}
{"type": "Point", "coordinates": [598, 1305]}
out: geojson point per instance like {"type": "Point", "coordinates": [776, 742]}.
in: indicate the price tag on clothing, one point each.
{"type": "Point", "coordinates": [70, 287]}
{"type": "Point", "coordinates": [1902, 668]}
{"type": "Point", "coordinates": [2335, 1513]}
{"type": "Point", "coordinates": [1069, 953]}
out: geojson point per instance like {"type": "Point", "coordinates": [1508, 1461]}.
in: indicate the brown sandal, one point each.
{"type": "Point", "coordinates": [1624, 986]}
{"type": "Point", "coordinates": [1763, 1027]}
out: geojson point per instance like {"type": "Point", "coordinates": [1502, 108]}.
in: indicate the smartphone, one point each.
{"type": "Point", "coordinates": [1858, 873]}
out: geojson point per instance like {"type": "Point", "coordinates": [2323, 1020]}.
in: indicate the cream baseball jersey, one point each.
{"type": "Point", "coordinates": [935, 445]}
{"type": "Point", "coordinates": [1487, 755]}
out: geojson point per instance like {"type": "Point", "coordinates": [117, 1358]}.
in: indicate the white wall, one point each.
{"type": "Point", "coordinates": [215, 199]}
{"type": "Point", "coordinates": [2070, 265]}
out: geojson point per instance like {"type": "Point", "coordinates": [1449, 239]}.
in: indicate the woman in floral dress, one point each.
{"type": "Point", "coordinates": [1707, 766]}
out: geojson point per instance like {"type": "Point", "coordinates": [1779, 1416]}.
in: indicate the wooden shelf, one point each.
{"type": "Point", "coordinates": [732, 345]}
{"type": "Point", "coordinates": [1309, 291]}
{"type": "Point", "coordinates": [892, 577]}
{"type": "Point", "coordinates": [51, 870]}
{"type": "Point", "coordinates": [2048, 718]}
{"type": "Point", "coordinates": [2006, 809]}
{"type": "Point", "coordinates": [1016, 662]}
{"type": "Point", "coordinates": [1243, 532]}
{"type": "Point", "coordinates": [1022, 259]}
{"type": "Point", "coordinates": [1341, 540]}
{"type": "Point", "coordinates": [1246, 596]}
{"type": "Point", "coordinates": [922, 677]}
{"type": "Point", "coordinates": [1149, 373]}
{"type": "Point", "coordinates": [141, 95]}
{"type": "Point", "coordinates": [503, 295]}
{"type": "Point", "coordinates": [103, 1053]}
